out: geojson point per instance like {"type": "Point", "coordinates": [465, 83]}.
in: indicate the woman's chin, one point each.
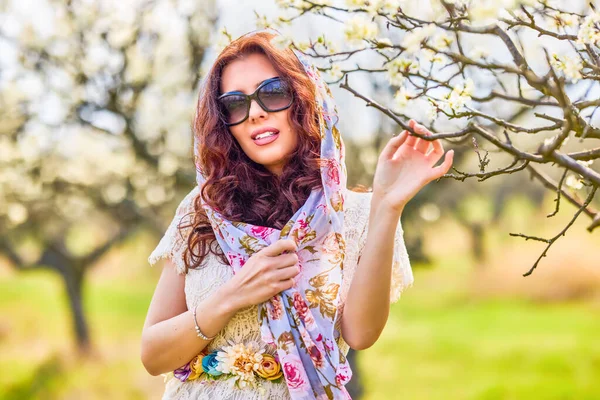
{"type": "Point", "coordinates": [273, 166]}
{"type": "Point", "coordinates": [270, 160]}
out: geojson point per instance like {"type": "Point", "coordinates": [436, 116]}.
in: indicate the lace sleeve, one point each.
{"type": "Point", "coordinates": [174, 242]}
{"type": "Point", "coordinates": [402, 276]}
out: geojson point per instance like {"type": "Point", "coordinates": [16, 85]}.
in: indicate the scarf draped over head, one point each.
{"type": "Point", "coordinates": [300, 320]}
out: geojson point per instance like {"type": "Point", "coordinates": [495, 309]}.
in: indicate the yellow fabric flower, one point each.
{"type": "Point", "coordinates": [269, 368]}
{"type": "Point", "coordinates": [196, 367]}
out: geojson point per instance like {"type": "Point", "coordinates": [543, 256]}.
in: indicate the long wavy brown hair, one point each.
{"type": "Point", "coordinates": [239, 188]}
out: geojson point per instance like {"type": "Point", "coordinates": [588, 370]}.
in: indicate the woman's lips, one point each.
{"type": "Point", "coordinates": [266, 140]}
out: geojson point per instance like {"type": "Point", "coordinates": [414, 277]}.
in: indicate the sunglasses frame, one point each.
{"type": "Point", "coordinates": [249, 97]}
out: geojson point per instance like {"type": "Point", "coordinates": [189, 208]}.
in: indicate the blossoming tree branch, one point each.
{"type": "Point", "coordinates": [516, 80]}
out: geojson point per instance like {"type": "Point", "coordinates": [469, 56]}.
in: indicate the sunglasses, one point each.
{"type": "Point", "coordinates": [272, 95]}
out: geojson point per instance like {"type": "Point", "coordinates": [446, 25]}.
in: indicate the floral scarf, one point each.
{"type": "Point", "coordinates": [300, 320]}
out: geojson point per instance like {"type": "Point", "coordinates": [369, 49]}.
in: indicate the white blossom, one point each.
{"type": "Point", "coordinates": [263, 22]}
{"type": "Point", "coordinates": [589, 32]}
{"type": "Point", "coordinates": [390, 6]}
{"type": "Point", "coordinates": [570, 66]}
{"type": "Point", "coordinates": [302, 46]}
{"type": "Point", "coordinates": [413, 39]}
{"type": "Point", "coordinates": [432, 110]}
{"type": "Point", "coordinates": [398, 67]}
{"type": "Point", "coordinates": [356, 4]}
{"type": "Point", "coordinates": [479, 52]}
{"type": "Point", "coordinates": [573, 182]}
{"type": "Point", "coordinates": [223, 40]}
{"type": "Point", "coordinates": [384, 42]}
{"type": "Point", "coordinates": [468, 87]}
{"type": "Point", "coordinates": [484, 9]}
{"type": "Point", "coordinates": [460, 95]}
{"type": "Point", "coordinates": [384, 46]}
{"type": "Point", "coordinates": [281, 41]}
{"type": "Point", "coordinates": [441, 41]}
{"type": "Point", "coordinates": [335, 72]}
{"type": "Point", "coordinates": [375, 6]}
{"type": "Point", "coordinates": [562, 20]}
{"type": "Point", "coordinates": [327, 44]}
{"type": "Point", "coordinates": [402, 97]}
{"type": "Point", "coordinates": [432, 56]}
{"type": "Point", "coordinates": [360, 28]}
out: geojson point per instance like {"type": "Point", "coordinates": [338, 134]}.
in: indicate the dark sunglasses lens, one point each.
{"type": "Point", "coordinates": [234, 108]}
{"type": "Point", "coordinates": [275, 95]}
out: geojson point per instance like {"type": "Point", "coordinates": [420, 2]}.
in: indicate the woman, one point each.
{"type": "Point", "coordinates": [263, 255]}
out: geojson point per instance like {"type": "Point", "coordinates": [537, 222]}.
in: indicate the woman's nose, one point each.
{"type": "Point", "coordinates": [256, 111]}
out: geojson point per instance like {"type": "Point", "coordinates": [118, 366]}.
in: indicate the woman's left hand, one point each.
{"type": "Point", "coordinates": [406, 165]}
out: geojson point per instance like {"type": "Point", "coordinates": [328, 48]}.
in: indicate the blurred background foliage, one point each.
{"type": "Point", "coordinates": [96, 100]}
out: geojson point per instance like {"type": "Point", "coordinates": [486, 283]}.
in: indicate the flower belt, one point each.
{"type": "Point", "coordinates": [246, 364]}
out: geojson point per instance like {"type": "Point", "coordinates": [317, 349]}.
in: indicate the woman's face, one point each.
{"type": "Point", "coordinates": [245, 75]}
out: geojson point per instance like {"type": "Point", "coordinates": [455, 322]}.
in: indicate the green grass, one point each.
{"type": "Point", "coordinates": [37, 361]}
{"type": "Point", "coordinates": [456, 348]}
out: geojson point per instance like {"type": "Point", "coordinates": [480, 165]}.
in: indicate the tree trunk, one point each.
{"type": "Point", "coordinates": [74, 286]}
{"type": "Point", "coordinates": [477, 241]}
{"type": "Point", "coordinates": [73, 273]}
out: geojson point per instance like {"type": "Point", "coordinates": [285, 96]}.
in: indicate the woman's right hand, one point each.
{"type": "Point", "coordinates": [265, 274]}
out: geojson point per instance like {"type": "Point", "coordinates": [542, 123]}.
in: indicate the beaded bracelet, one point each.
{"type": "Point", "coordinates": [200, 334]}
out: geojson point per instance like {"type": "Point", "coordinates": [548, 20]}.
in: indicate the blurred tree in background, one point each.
{"type": "Point", "coordinates": [96, 100]}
